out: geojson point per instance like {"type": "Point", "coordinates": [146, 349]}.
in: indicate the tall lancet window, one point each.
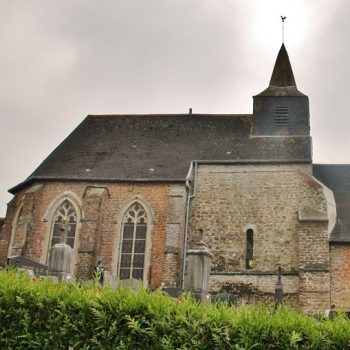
{"type": "Point", "coordinates": [64, 224]}
{"type": "Point", "coordinates": [133, 243]}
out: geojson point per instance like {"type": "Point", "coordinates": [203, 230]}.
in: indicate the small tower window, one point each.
{"type": "Point", "coordinates": [281, 116]}
{"type": "Point", "coordinates": [249, 249]}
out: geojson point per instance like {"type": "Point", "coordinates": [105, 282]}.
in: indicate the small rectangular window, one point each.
{"type": "Point", "coordinates": [281, 116]}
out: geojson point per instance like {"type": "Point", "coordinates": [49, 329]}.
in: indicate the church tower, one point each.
{"type": "Point", "coordinates": [281, 109]}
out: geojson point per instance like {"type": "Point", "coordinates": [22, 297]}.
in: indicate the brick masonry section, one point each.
{"type": "Point", "coordinates": [101, 207]}
{"type": "Point", "coordinates": [340, 275]}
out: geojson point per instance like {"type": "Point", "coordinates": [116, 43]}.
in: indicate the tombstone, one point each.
{"type": "Point", "coordinates": [174, 292]}
{"type": "Point", "coordinates": [60, 260]}
{"type": "Point", "coordinates": [131, 283]}
{"type": "Point", "coordinates": [198, 269]}
{"type": "Point", "coordinates": [23, 263]}
{"type": "Point", "coordinates": [224, 297]}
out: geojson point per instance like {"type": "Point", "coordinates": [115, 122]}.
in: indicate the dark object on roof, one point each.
{"type": "Point", "coordinates": [337, 178]}
{"type": "Point", "coordinates": [282, 81]}
{"type": "Point", "coordinates": [160, 147]}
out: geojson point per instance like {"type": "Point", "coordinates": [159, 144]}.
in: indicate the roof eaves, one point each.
{"type": "Point", "coordinates": [33, 179]}
{"type": "Point", "coordinates": [244, 115]}
{"type": "Point", "coordinates": [339, 240]}
{"type": "Point", "coordinates": [254, 161]}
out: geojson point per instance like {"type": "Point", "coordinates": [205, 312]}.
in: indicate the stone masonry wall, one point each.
{"type": "Point", "coordinates": [230, 199]}
{"type": "Point", "coordinates": [13, 207]}
{"type": "Point", "coordinates": [174, 239]}
{"type": "Point", "coordinates": [101, 207]}
{"type": "Point", "coordinates": [313, 249]}
{"type": "Point", "coordinates": [257, 288]}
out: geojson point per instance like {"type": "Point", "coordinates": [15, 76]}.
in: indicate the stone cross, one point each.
{"type": "Point", "coordinates": [198, 268]}
{"type": "Point", "coordinates": [64, 229]}
{"type": "Point", "coordinates": [279, 274]}
{"type": "Point", "coordinates": [279, 289]}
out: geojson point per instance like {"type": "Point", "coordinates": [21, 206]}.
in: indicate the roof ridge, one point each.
{"type": "Point", "coordinates": [332, 164]}
{"type": "Point", "coordinates": [172, 115]}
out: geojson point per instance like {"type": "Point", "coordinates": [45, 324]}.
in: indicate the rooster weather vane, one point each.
{"type": "Point", "coordinates": [283, 18]}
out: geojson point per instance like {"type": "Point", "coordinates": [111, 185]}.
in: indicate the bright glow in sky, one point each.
{"type": "Point", "coordinates": [62, 60]}
{"type": "Point", "coordinates": [267, 21]}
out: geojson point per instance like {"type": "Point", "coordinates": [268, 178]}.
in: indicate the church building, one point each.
{"type": "Point", "coordinates": [134, 191]}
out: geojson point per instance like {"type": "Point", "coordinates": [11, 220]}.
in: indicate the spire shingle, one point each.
{"type": "Point", "coordinates": [282, 74]}
{"type": "Point", "coordinates": [282, 81]}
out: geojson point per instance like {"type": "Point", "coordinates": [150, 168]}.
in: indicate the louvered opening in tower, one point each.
{"type": "Point", "coordinates": [281, 116]}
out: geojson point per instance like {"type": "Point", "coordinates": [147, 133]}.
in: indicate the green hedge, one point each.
{"type": "Point", "coordinates": [43, 315]}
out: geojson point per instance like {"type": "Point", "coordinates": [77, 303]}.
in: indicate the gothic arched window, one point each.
{"type": "Point", "coordinates": [64, 224]}
{"type": "Point", "coordinates": [133, 243]}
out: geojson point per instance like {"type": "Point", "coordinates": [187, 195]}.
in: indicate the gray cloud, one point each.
{"type": "Point", "coordinates": [62, 60]}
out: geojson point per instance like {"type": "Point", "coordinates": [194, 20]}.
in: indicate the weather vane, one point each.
{"type": "Point", "coordinates": [283, 18]}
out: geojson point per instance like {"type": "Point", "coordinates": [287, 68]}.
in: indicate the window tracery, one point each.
{"type": "Point", "coordinates": [65, 222]}
{"type": "Point", "coordinates": [133, 243]}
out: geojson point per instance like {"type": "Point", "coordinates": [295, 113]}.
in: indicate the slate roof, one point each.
{"type": "Point", "coordinates": [337, 178]}
{"type": "Point", "coordinates": [128, 147]}
{"type": "Point", "coordinates": [282, 81]}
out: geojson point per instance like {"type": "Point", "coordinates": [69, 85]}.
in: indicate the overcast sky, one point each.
{"type": "Point", "coordinates": [61, 60]}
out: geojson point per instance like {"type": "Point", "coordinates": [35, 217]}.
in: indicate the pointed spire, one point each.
{"type": "Point", "coordinates": [282, 74]}
{"type": "Point", "coordinates": [282, 81]}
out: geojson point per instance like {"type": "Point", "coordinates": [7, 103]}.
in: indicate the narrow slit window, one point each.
{"type": "Point", "coordinates": [281, 116]}
{"type": "Point", "coordinates": [249, 249]}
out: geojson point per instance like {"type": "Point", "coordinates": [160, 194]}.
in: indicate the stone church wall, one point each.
{"type": "Point", "coordinates": [28, 225]}
{"type": "Point", "coordinates": [283, 204]}
{"type": "Point", "coordinates": [256, 288]}
{"type": "Point", "coordinates": [270, 200]}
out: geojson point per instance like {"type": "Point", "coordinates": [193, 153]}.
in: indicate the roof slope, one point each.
{"type": "Point", "coordinates": [160, 147]}
{"type": "Point", "coordinates": [337, 178]}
